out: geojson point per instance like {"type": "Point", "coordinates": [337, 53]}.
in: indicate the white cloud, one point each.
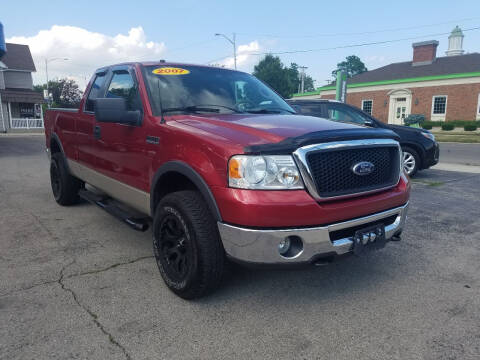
{"type": "Point", "coordinates": [244, 57]}
{"type": "Point", "coordinates": [85, 50]}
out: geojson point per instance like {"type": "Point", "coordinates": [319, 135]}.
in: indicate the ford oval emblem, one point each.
{"type": "Point", "coordinates": [363, 168]}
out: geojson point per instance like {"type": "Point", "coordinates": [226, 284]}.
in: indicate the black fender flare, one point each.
{"type": "Point", "coordinates": [187, 171]}
{"type": "Point", "coordinates": [54, 137]}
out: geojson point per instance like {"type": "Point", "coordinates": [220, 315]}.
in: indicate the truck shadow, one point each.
{"type": "Point", "coordinates": [349, 276]}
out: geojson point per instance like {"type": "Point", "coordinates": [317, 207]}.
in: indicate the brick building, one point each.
{"type": "Point", "coordinates": [441, 88]}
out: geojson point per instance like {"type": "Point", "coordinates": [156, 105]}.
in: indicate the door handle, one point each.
{"type": "Point", "coordinates": [97, 132]}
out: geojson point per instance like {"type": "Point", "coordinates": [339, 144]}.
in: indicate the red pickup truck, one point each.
{"type": "Point", "coordinates": [223, 169]}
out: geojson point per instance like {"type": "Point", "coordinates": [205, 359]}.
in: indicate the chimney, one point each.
{"type": "Point", "coordinates": [424, 53]}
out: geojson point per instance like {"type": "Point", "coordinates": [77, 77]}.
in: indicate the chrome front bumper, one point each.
{"type": "Point", "coordinates": [261, 246]}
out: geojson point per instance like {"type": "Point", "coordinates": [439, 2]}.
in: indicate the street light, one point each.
{"type": "Point", "coordinates": [234, 47]}
{"type": "Point", "coordinates": [46, 72]}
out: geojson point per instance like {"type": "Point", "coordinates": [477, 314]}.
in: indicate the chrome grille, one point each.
{"type": "Point", "coordinates": [327, 168]}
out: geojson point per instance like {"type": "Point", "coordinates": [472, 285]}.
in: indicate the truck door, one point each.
{"type": "Point", "coordinates": [120, 148]}
{"type": "Point", "coordinates": [86, 122]}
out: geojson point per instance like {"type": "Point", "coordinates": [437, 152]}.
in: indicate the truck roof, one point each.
{"type": "Point", "coordinates": [161, 63]}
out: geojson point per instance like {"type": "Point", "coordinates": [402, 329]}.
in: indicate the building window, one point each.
{"type": "Point", "coordinates": [367, 106]}
{"type": "Point", "coordinates": [439, 105]}
{"type": "Point", "coordinates": [478, 105]}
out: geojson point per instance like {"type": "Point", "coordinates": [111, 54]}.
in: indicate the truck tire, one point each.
{"type": "Point", "coordinates": [411, 161]}
{"type": "Point", "coordinates": [65, 187]}
{"type": "Point", "coordinates": [187, 245]}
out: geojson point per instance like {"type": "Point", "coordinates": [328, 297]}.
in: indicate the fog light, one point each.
{"type": "Point", "coordinates": [284, 246]}
{"type": "Point", "coordinates": [290, 247]}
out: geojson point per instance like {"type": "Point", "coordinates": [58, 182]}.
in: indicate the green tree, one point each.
{"type": "Point", "coordinates": [65, 92]}
{"type": "Point", "coordinates": [351, 66]}
{"type": "Point", "coordinates": [271, 70]}
{"type": "Point", "coordinates": [284, 80]}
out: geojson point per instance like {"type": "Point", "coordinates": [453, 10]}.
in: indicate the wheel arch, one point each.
{"type": "Point", "coordinates": [178, 175]}
{"type": "Point", "coordinates": [418, 149]}
{"type": "Point", "coordinates": [56, 146]}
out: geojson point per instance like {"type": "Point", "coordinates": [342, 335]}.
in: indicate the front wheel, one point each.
{"type": "Point", "coordinates": [187, 245]}
{"type": "Point", "coordinates": [411, 161]}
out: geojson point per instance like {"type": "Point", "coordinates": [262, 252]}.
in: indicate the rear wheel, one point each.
{"type": "Point", "coordinates": [65, 187]}
{"type": "Point", "coordinates": [411, 161]}
{"type": "Point", "coordinates": [187, 245]}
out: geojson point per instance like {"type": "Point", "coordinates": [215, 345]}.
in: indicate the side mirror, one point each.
{"type": "Point", "coordinates": [114, 110]}
{"type": "Point", "coordinates": [370, 123]}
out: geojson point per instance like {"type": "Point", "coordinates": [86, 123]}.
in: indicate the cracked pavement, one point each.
{"type": "Point", "coordinates": [75, 283]}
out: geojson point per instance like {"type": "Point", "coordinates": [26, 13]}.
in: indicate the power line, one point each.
{"type": "Point", "coordinates": [346, 46]}
{"type": "Point", "coordinates": [217, 59]}
{"type": "Point", "coordinates": [361, 33]}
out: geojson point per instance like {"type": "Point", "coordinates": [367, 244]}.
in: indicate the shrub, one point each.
{"type": "Point", "coordinates": [427, 126]}
{"type": "Point", "coordinates": [448, 126]}
{"type": "Point", "coordinates": [414, 119]}
{"type": "Point", "coordinates": [470, 127]}
{"type": "Point", "coordinates": [462, 123]}
{"type": "Point", "coordinates": [433, 123]}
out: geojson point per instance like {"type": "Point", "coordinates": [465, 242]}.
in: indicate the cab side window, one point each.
{"type": "Point", "coordinates": [310, 110]}
{"type": "Point", "coordinates": [122, 85]}
{"type": "Point", "coordinates": [94, 92]}
{"type": "Point", "coordinates": [345, 114]}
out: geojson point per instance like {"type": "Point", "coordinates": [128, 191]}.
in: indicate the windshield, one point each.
{"type": "Point", "coordinates": [189, 89]}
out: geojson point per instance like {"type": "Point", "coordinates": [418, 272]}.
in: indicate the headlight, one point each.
{"type": "Point", "coordinates": [273, 172]}
{"type": "Point", "coordinates": [429, 135]}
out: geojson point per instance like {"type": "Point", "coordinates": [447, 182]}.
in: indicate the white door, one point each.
{"type": "Point", "coordinates": [399, 110]}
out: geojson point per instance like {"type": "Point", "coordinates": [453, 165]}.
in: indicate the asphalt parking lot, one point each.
{"type": "Point", "coordinates": [75, 283]}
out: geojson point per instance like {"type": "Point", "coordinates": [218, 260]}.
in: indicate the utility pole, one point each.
{"type": "Point", "coordinates": [46, 74]}
{"type": "Point", "coordinates": [302, 78]}
{"type": "Point", "coordinates": [233, 42]}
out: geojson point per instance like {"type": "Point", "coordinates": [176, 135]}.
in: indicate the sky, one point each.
{"type": "Point", "coordinates": [91, 34]}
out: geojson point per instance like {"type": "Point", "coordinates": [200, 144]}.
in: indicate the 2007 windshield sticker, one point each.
{"type": "Point", "coordinates": [170, 71]}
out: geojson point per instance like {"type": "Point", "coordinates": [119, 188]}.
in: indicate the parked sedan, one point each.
{"type": "Point", "coordinates": [420, 150]}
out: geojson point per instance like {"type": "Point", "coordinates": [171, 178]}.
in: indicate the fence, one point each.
{"type": "Point", "coordinates": [26, 123]}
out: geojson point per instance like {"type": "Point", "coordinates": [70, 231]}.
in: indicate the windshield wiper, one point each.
{"type": "Point", "coordinates": [201, 108]}
{"type": "Point", "coordinates": [224, 107]}
{"type": "Point", "coordinates": [193, 109]}
{"type": "Point", "coordinates": [269, 111]}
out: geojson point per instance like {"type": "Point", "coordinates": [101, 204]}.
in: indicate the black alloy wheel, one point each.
{"type": "Point", "coordinates": [187, 245]}
{"type": "Point", "coordinates": [173, 247]}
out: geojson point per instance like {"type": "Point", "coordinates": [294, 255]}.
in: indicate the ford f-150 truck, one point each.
{"type": "Point", "coordinates": [223, 169]}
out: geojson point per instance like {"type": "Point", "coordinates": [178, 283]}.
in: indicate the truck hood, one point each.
{"type": "Point", "coordinates": [253, 132]}
{"type": "Point", "coordinates": [259, 128]}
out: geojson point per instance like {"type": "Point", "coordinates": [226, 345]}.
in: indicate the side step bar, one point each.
{"type": "Point", "coordinates": [107, 204]}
